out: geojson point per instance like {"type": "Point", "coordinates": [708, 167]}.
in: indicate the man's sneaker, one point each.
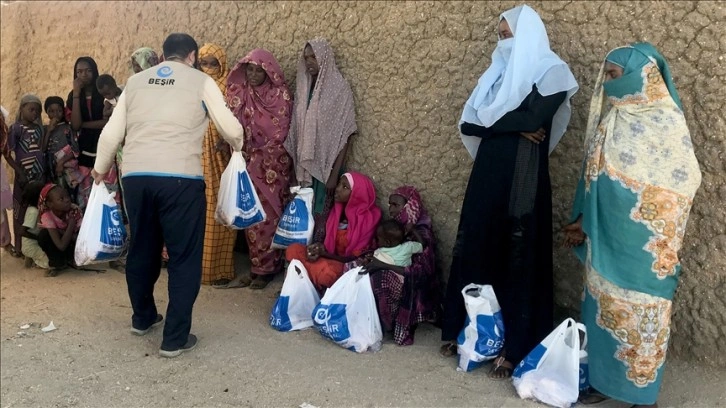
{"type": "Point", "coordinates": [141, 332]}
{"type": "Point", "coordinates": [191, 343]}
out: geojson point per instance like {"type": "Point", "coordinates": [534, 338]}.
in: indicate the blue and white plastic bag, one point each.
{"type": "Point", "coordinates": [238, 206]}
{"type": "Point", "coordinates": [294, 307]}
{"type": "Point", "coordinates": [102, 236]}
{"type": "Point", "coordinates": [347, 314]}
{"type": "Point", "coordinates": [483, 335]}
{"type": "Point", "coordinates": [297, 223]}
{"type": "Point", "coordinates": [550, 373]}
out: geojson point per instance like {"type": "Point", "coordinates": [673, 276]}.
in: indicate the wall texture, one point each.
{"type": "Point", "coordinates": [411, 67]}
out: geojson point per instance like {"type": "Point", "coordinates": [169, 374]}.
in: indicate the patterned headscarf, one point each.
{"type": "Point", "coordinates": [220, 75]}
{"type": "Point", "coordinates": [320, 128]}
{"type": "Point", "coordinates": [43, 205]}
{"type": "Point", "coordinates": [413, 211]}
{"type": "Point", "coordinates": [362, 213]}
{"type": "Point", "coordinates": [145, 57]}
{"type": "Point", "coordinates": [632, 59]}
{"type": "Point", "coordinates": [264, 111]}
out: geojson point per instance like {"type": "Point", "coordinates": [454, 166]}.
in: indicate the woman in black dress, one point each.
{"type": "Point", "coordinates": [512, 121]}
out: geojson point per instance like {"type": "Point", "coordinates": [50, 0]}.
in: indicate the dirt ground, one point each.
{"type": "Point", "coordinates": [92, 360]}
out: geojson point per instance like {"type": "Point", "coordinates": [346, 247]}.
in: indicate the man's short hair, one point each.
{"type": "Point", "coordinates": [179, 45]}
{"type": "Point", "coordinates": [105, 80]}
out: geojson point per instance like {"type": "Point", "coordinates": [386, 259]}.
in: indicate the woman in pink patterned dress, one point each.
{"type": "Point", "coordinates": [259, 97]}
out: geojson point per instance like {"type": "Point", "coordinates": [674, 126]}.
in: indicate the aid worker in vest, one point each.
{"type": "Point", "coordinates": [161, 118]}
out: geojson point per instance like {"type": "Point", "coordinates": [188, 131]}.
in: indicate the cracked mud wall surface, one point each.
{"type": "Point", "coordinates": [411, 66]}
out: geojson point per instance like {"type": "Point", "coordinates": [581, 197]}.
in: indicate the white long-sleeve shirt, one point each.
{"type": "Point", "coordinates": [161, 118]}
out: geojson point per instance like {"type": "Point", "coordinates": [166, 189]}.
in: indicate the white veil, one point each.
{"type": "Point", "coordinates": [510, 77]}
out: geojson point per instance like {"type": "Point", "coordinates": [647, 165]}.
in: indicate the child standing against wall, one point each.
{"type": "Point", "coordinates": [25, 153]}
{"type": "Point", "coordinates": [62, 148]}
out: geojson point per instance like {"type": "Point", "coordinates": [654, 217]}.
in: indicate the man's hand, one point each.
{"type": "Point", "coordinates": [97, 178]}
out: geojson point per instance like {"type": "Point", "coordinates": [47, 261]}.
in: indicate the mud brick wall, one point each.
{"type": "Point", "coordinates": [411, 67]}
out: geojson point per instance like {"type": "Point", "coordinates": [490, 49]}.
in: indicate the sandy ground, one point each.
{"type": "Point", "coordinates": [92, 360]}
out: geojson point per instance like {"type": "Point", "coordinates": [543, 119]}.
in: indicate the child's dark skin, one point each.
{"type": "Point", "coordinates": [59, 202]}
{"type": "Point", "coordinates": [109, 93]}
{"type": "Point", "coordinates": [56, 116]}
{"type": "Point", "coordinates": [28, 115]}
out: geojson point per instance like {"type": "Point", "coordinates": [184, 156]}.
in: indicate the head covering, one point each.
{"type": "Point", "coordinates": [632, 59]}
{"type": "Point", "coordinates": [220, 75]}
{"type": "Point", "coordinates": [145, 57]}
{"type": "Point", "coordinates": [96, 98]}
{"type": "Point", "coordinates": [643, 128]}
{"type": "Point", "coordinates": [321, 124]}
{"type": "Point", "coordinates": [264, 111]}
{"type": "Point", "coordinates": [517, 64]}
{"type": "Point", "coordinates": [26, 99]}
{"type": "Point", "coordinates": [42, 205]}
{"type": "Point", "coordinates": [413, 211]}
{"type": "Point", "coordinates": [362, 213]}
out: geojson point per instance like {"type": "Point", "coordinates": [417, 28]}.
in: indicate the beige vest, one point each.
{"type": "Point", "coordinates": [165, 121]}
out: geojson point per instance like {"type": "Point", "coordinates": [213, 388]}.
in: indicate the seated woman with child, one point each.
{"type": "Point", "coordinates": [407, 291]}
{"type": "Point", "coordinates": [349, 231]}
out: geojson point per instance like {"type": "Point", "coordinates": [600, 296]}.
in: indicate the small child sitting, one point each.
{"type": "Point", "coordinates": [62, 145]}
{"type": "Point", "coordinates": [60, 221]}
{"type": "Point", "coordinates": [32, 251]}
{"type": "Point", "coordinates": [391, 246]}
{"type": "Point", "coordinates": [110, 91]}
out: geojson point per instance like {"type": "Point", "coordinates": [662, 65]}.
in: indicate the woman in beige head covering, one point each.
{"type": "Point", "coordinates": [323, 120]}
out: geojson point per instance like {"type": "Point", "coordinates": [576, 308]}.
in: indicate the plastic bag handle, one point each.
{"type": "Point", "coordinates": [581, 327]}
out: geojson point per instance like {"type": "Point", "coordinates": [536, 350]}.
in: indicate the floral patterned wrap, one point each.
{"type": "Point", "coordinates": [639, 178]}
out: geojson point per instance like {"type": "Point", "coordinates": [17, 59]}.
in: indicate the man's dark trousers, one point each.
{"type": "Point", "coordinates": [165, 210]}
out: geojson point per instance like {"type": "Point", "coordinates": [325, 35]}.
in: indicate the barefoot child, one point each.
{"type": "Point", "coordinates": [32, 251]}
{"type": "Point", "coordinates": [25, 153]}
{"type": "Point", "coordinates": [62, 147]}
{"type": "Point", "coordinates": [60, 221]}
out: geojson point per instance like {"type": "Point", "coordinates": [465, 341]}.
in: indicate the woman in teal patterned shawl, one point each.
{"type": "Point", "coordinates": [639, 178]}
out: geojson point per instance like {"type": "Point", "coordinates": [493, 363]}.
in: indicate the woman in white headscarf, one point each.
{"type": "Point", "coordinates": [514, 118]}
